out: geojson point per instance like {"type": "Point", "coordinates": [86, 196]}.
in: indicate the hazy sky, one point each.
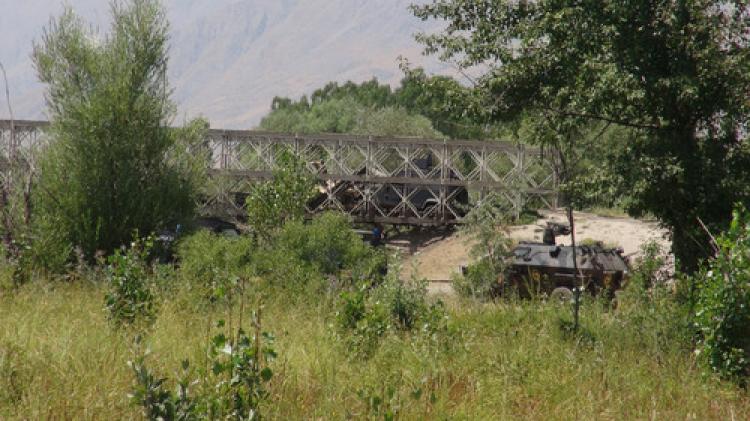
{"type": "Point", "coordinates": [229, 58]}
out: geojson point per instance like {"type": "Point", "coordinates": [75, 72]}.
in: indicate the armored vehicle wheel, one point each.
{"type": "Point", "coordinates": [561, 295]}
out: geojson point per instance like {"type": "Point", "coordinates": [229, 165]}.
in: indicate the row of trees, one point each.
{"type": "Point", "coordinates": [423, 105]}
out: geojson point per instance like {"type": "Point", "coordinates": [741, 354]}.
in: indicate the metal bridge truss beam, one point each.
{"type": "Point", "coordinates": [373, 179]}
{"type": "Point", "coordinates": [395, 180]}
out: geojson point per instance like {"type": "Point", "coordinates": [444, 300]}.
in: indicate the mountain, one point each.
{"type": "Point", "coordinates": [229, 58]}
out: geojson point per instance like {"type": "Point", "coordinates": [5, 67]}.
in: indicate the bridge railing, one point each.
{"type": "Point", "coordinates": [383, 179]}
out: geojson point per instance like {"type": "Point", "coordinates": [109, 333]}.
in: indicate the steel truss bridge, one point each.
{"type": "Point", "coordinates": [373, 179]}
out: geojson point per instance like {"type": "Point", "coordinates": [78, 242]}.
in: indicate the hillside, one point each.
{"type": "Point", "coordinates": [230, 58]}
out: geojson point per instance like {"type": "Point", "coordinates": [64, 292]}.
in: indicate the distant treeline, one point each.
{"type": "Point", "coordinates": [428, 106]}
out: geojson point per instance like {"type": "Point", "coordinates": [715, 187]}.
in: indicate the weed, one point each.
{"type": "Point", "coordinates": [130, 299]}
{"type": "Point", "coordinates": [365, 315]}
{"type": "Point", "coordinates": [233, 388]}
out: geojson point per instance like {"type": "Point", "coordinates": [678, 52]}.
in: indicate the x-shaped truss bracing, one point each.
{"type": "Point", "coordinates": [373, 179]}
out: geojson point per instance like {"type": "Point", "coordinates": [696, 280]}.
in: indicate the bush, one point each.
{"type": "Point", "coordinates": [486, 225]}
{"type": "Point", "coordinates": [723, 305]}
{"type": "Point", "coordinates": [233, 388]}
{"type": "Point", "coordinates": [480, 280]}
{"type": "Point", "coordinates": [209, 262]}
{"type": "Point", "coordinates": [329, 246]}
{"type": "Point", "coordinates": [273, 203]}
{"type": "Point", "coordinates": [652, 269]}
{"type": "Point", "coordinates": [367, 314]}
{"type": "Point", "coordinates": [130, 299]}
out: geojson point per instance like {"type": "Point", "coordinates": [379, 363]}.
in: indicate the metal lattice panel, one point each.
{"type": "Point", "coordinates": [392, 180]}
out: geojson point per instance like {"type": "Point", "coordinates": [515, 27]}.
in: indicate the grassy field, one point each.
{"type": "Point", "coordinates": [61, 359]}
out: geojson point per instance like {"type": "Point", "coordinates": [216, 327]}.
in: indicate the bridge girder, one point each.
{"type": "Point", "coordinates": [373, 179]}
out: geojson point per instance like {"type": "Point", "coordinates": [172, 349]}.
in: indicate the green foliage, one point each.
{"type": "Point", "coordinates": [485, 226]}
{"type": "Point", "coordinates": [673, 73]}
{"type": "Point", "coordinates": [370, 94]}
{"type": "Point", "coordinates": [329, 245]}
{"type": "Point", "coordinates": [723, 306]}
{"type": "Point", "coordinates": [346, 115]}
{"type": "Point", "coordinates": [115, 166]}
{"type": "Point", "coordinates": [130, 300]}
{"type": "Point", "coordinates": [234, 388]}
{"type": "Point", "coordinates": [446, 103]}
{"type": "Point", "coordinates": [651, 270]}
{"type": "Point", "coordinates": [394, 122]}
{"type": "Point", "coordinates": [238, 363]}
{"type": "Point", "coordinates": [481, 280]}
{"type": "Point", "coordinates": [388, 401]}
{"type": "Point", "coordinates": [420, 103]}
{"type": "Point", "coordinates": [322, 254]}
{"type": "Point", "coordinates": [50, 250]}
{"type": "Point", "coordinates": [213, 264]}
{"type": "Point", "coordinates": [273, 203]}
{"type": "Point", "coordinates": [157, 402]}
{"type": "Point", "coordinates": [367, 314]}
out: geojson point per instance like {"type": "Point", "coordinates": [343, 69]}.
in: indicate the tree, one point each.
{"type": "Point", "coordinates": [672, 72]}
{"type": "Point", "coordinates": [113, 166]}
{"type": "Point", "coordinates": [273, 203]}
{"type": "Point", "coordinates": [420, 99]}
{"type": "Point", "coordinates": [347, 115]}
{"type": "Point", "coordinates": [446, 102]}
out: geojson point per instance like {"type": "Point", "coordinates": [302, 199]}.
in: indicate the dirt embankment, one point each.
{"type": "Point", "coordinates": [435, 256]}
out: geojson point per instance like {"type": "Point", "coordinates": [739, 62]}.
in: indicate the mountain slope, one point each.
{"type": "Point", "coordinates": [230, 58]}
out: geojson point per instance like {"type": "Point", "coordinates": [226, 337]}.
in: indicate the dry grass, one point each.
{"type": "Point", "coordinates": [61, 360]}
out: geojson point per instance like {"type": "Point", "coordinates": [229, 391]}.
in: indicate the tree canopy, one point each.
{"type": "Point", "coordinates": [115, 166]}
{"type": "Point", "coordinates": [672, 72]}
{"type": "Point", "coordinates": [419, 102]}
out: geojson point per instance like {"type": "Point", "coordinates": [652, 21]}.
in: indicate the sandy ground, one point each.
{"type": "Point", "coordinates": [436, 256]}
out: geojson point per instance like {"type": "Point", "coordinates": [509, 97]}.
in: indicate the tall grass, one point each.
{"type": "Point", "coordinates": [60, 358]}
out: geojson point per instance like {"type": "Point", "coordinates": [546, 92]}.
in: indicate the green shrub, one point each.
{"type": "Point", "coordinates": [362, 321]}
{"type": "Point", "coordinates": [352, 308]}
{"type": "Point", "coordinates": [233, 387]}
{"type": "Point", "coordinates": [157, 401]}
{"type": "Point", "coordinates": [49, 251]}
{"type": "Point", "coordinates": [329, 245]}
{"type": "Point", "coordinates": [273, 203]}
{"type": "Point", "coordinates": [365, 315]}
{"type": "Point", "coordinates": [723, 305]}
{"type": "Point", "coordinates": [209, 262]}
{"type": "Point", "coordinates": [486, 225]}
{"type": "Point", "coordinates": [238, 365]}
{"type": "Point", "coordinates": [130, 299]}
{"type": "Point", "coordinates": [480, 280]}
{"type": "Point", "coordinates": [406, 303]}
{"type": "Point", "coordinates": [281, 269]}
{"type": "Point", "coordinates": [651, 269]}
